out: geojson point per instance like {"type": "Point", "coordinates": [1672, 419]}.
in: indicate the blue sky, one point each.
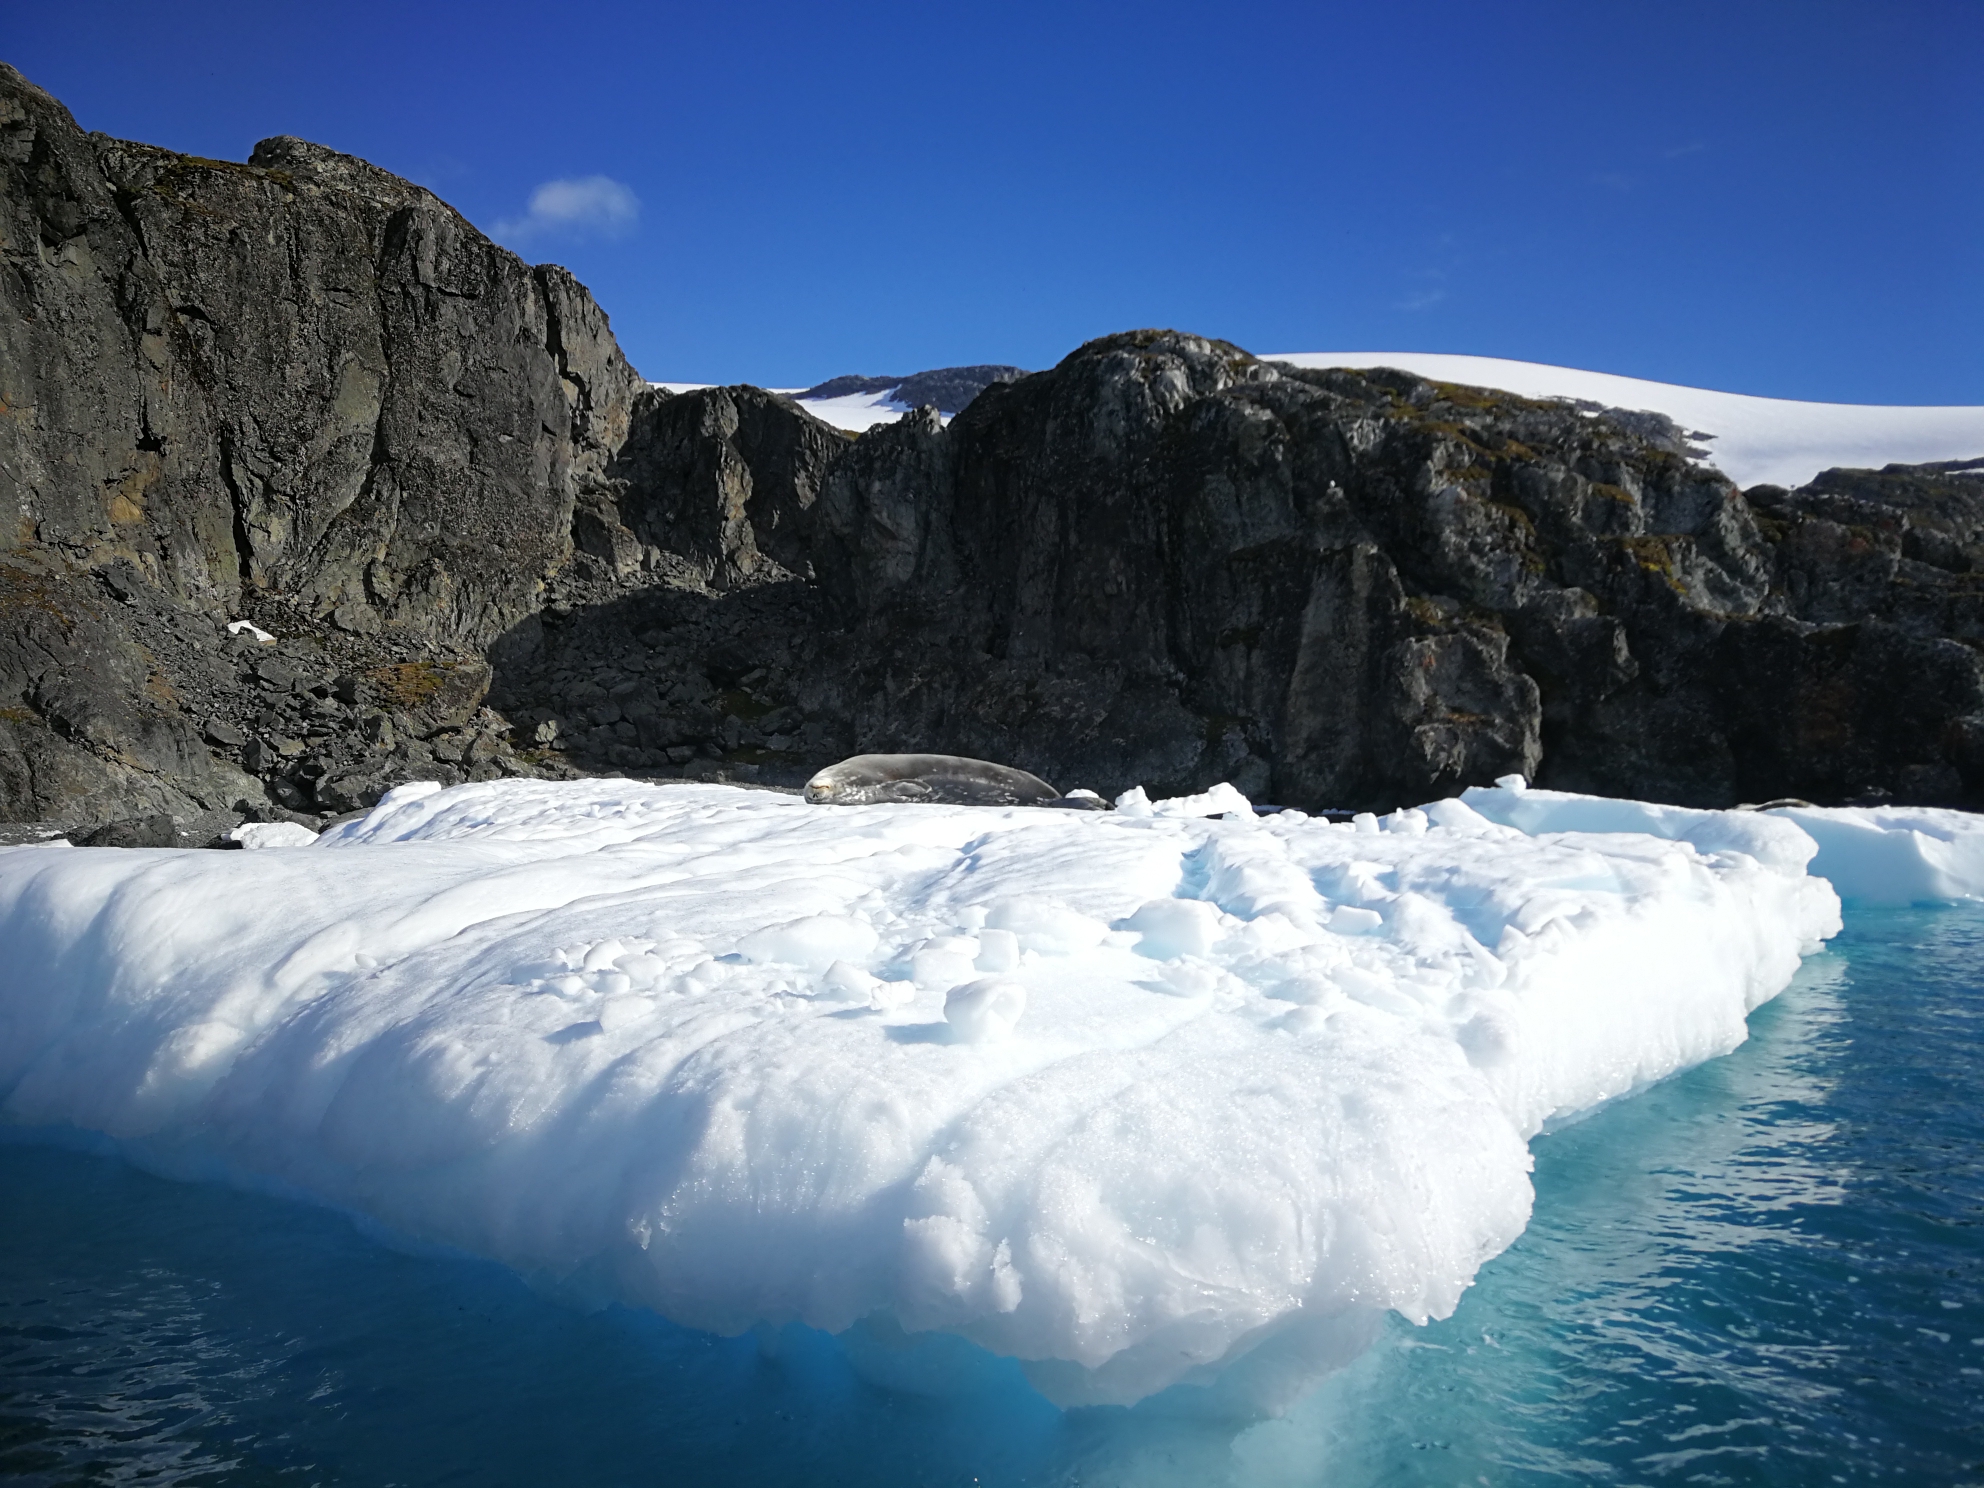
{"type": "Point", "coordinates": [1784, 199]}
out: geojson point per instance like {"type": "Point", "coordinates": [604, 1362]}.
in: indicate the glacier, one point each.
{"type": "Point", "coordinates": [1174, 1096]}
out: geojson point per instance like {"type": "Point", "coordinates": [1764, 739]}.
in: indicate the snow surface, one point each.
{"type": "Point", "coordinates": [858, 411]}
{"type": "Point", "coordinates": [1757, 440]}
{"type": "Point", "coordinates": [1141, 1098]}
{"type": "Point", "coordinates": [1872, 856]}
{"type": "Point", "coordinates": [1891, 855]}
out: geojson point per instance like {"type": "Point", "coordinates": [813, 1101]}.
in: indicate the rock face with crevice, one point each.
{"type": "Point", "coordinates": [304, 393]}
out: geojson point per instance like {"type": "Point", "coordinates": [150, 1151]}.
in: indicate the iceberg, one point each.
{"type": "Point", "coordinates": [1168, 1096]}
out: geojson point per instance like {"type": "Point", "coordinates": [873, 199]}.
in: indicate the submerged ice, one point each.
{"type": "Point", "coordinates": [1140, 1098]}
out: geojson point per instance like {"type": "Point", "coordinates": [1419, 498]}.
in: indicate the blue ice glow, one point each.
{"type": "Point", "coordinates": [1769, 1269]}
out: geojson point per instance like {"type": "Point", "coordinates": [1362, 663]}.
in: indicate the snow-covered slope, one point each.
{"type": "Point", "coordinates": [855, 413]}
{"type": "Point", "coordinates": [1756, 440]}
{"type": "Point", "coordinates": [1141, 1098]}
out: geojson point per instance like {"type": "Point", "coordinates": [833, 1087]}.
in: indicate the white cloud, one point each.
{"type": "Point", "coordinates": [582, 207]}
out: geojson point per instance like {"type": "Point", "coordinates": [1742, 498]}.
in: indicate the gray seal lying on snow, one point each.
{"type": "Point", "coordinates": [937, 779]}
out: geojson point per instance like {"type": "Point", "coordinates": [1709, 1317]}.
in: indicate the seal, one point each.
{"type": "Point", "coordinates": [935, 779]}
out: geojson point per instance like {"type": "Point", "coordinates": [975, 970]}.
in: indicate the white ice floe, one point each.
{"type": "Point", "coordinates": [1895, 854]}
{"type": "Point", "coordinates": [1140, 1099]}
{"type": "Point", "coordinates": [1512, 802]}
{"type": "Point", "coordinates": [1757, 440]}
{"type": "Point", "coordinates": [1888, 855]}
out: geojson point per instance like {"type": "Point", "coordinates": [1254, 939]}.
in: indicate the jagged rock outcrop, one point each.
{"type": "Point", "coordinates": [304, 393]}
{"type": "Point", "coordinates": [714, 487]}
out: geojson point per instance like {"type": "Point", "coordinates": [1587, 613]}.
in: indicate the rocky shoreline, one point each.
{"type": "Point", "coordinates": [305, 394]}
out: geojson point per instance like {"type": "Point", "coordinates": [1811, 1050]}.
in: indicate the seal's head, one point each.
{"type": "Point", "coordinates": [939, 779]}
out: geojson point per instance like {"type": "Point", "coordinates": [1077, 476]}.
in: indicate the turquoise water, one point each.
{"type": "Point", "coordinates": [1769, 1270]}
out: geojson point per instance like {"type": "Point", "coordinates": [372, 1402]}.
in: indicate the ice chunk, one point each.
{"type": "Point", "coordinates": [673, 1037]}
{"type": "Point", "coordinates": [1039, 924]}
{"type": "Point", "coordinates": [1221, 800]}
{"type": "Point", "coordinates": [848, 983]}
{"type": "Point", "coordinates": [272, 834]}
{"type": "Point", "coordinates": [888, 997]}
{"type": "Point", "coordinates": [983, 1011]}
{"type": "Point", "coordinates": [998, 950]}
{"type": "Point", "coordinates": [1134, 802]}
{"type": "Point", "coordinates": [1188, 977]}
{"type": "Point", "coordinates": [1170, 928]}
{"type": "Point", "coordinates": [1350, 919]}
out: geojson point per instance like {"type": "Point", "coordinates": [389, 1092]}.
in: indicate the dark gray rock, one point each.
{"type": "Point", "coordinates": [358, 788]}
{"type": "Point", "coordinates": [301, 375]}
{"type": "Point", "coordinates": [714, 487]}
{"type": "Point", "coordinates": [1146, 566]}
{"type": "Point", "coordinates": [95, 724]}
{"type": "Point", "coordinates": [850, 385]}
{"type": "Point", "coordinates": [950, 390]}
{"type": "Point", "coordinates": [140, 831]}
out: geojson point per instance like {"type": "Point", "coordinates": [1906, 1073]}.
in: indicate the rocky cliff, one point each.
{"type": "Point", "coordinates": [1168, 561]}
{"type": "Point", "coordinates": [1165, 561]}
{"type": "Point", "coordinates": [300, 390]}
{"type": "Point", "coordinates": [303, 393]}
